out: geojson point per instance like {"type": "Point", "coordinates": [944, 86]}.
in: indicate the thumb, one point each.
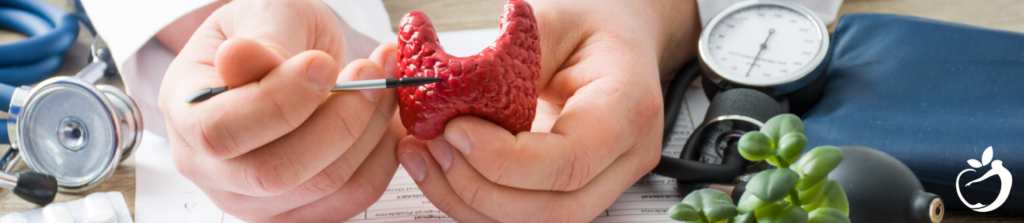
{"type": "Point", "coordinates": [240, 61]}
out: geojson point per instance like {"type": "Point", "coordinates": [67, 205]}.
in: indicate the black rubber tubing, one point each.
{"type": "Point", "coordinates": [746, 102]}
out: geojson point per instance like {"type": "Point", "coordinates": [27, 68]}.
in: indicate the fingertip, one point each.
{"type": "Point", "coordinates": [461, 131]}
{"type": "Point", "coordinates": [391, 64]}
{"type": "Point", "coordinates": [415, 164]}
{"type": "Point", "coordinates": [409, 143]}
{"type": "Point", "coordinates": [474, 123]}
{"type": "Point", "coordinates": [441, 150]}
{"type": "Point", "coordinates": [363, 69]}
{"type": "Point", "coordinates": [321, 71]}
{"type": "Point", "coordinates": [386, 55]}
{"type": "Point", "coordinates": [371, 71]}
{"type": "Point", "coordinates": [412, 154]}
{"type": "Point", "coordinates": [458, 138]}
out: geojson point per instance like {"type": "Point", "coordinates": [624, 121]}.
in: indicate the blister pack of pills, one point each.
{"type": "Point", "coordinates": [99, 207]}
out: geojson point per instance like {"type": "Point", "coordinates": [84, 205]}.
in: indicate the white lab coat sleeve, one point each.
{"type": "Point", "coordinates": [128, 27]}
{"type": "Point", "coordinates": [825, 9]}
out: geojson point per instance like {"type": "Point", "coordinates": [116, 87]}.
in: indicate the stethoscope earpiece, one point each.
{"type": "Point", "coordinates": [33, 187]}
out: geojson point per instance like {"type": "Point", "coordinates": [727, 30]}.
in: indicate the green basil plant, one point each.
{"type": "Point", "coordinates": [798, 191]}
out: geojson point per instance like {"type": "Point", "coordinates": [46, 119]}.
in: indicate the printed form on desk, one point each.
{"type": "Point", "coordinates": [164, 195]}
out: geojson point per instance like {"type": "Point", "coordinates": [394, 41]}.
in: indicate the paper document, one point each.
{"type": "Point", "coordinates": [164, 195]}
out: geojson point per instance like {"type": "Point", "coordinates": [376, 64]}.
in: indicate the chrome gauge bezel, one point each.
{"type": "Point", "coordinates": [714, 70]}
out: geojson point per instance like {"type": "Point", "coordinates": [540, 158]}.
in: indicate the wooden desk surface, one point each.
{"type": "Point", "coordinates": [451, 15]}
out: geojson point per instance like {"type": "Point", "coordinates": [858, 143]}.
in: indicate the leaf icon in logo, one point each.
{"type": "Point", "coordinates": [974, 163]}
{"type": "Point", "coordinates": [986, 156]}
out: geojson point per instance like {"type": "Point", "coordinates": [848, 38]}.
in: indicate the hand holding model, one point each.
{"type": "Point", "coordinates": [598, 121]}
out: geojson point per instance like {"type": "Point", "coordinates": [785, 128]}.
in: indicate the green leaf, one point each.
{"type": "Point", "coordinates": [780, 125]}
{"type": "Point", "coordinates": [812, 194]}
{"type": "Point", "coordinates": [699, 198]}
{"type": "Point", "coordinates": [827, 215]}
{"type": "Point", "coordinates": [748, 203]}
{"type": "Point", "coordinates": [816, 164]}
{"type": "Point", "coordinates": [780, 213]}
{"type": "Point", "coordinates": [715, 204]}
{"type": "Point", "coordinates": [683, 212]}
{"type": "Point", "coordinates": [743, 218]}
{"type": "Point", "coordinates": [791, 145]}
{"type": "Point", "coordinates": [772, 185]}
{"type": "Point", "coordinates": [755, 146]}
{"type": "Point", "coordinates": [718, 210]}
{"type": "Point", "coordinates": [832, 197]}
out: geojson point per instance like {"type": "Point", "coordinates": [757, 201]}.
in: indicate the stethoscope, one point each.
{"type": "Point", "coordinates": [70, 133]}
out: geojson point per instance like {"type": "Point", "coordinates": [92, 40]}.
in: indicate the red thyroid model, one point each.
{"type": "Point", "coordinates": [498, 84]}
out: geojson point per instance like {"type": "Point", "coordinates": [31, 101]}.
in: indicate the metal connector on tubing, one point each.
{"type": "Point", "coordinates": [8, 181]}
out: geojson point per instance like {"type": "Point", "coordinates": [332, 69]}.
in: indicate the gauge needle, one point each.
{"type": "Point", "coordinates": [763, 45]}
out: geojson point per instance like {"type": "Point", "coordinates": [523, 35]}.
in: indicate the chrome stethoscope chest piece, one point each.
{"type": "Point", "coordinates": [67, 128]}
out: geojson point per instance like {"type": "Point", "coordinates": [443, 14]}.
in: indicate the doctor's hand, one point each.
{"type": "Point", "coordinates": [278, 146]}
{"type": "Point", "coordinates": [599, 120]}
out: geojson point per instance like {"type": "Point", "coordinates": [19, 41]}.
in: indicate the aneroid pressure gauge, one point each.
{"type": "Point", "coordinates": [772, 46]}
{"type": "Point", "coordinates": [758, 59]}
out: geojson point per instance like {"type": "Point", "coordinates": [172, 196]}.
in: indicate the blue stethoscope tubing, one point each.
{"type": "Point", "coordinates": [51, 31]}
{"type": "Point", "coordinates": [6, 91]}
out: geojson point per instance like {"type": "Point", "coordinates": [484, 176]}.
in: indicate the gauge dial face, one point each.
{"type": "Point", "coordinates": [763, 45]}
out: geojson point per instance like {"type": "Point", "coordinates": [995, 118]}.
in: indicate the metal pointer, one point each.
{"type": "Point", "coordinates": [207, 93]}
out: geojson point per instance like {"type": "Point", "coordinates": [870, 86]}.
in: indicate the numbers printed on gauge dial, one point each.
{"type": "Point", "coordinates": [763, 42]}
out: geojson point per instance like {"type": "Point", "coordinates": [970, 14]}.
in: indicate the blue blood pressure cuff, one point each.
{"type": "Point", "coordinates": [933, 95]}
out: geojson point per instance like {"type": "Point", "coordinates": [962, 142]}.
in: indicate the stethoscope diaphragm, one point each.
{"type": "Point", "coordinates": [67, 128]}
